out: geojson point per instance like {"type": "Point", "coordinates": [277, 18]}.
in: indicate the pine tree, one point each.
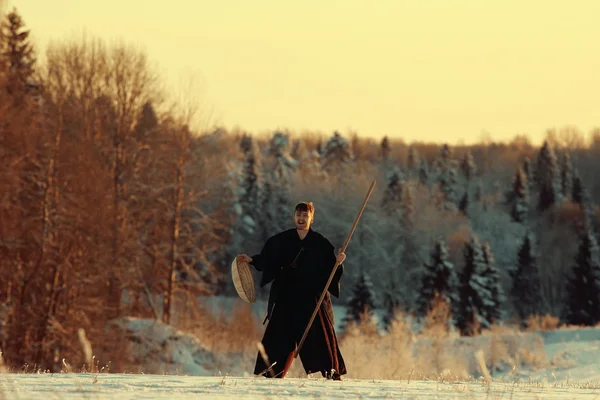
{"type": "Point", "coordinates": [464, 204]}
{"type": "Point", "coordinates": [492, 309]}
{"type": "Point", "coordinates": [448, 187]}
{"type": "Point", "coordinates": [577, 192]}
{"type": "Point", "coordinates": [385, 148]}
{"type": "Point", "coordinates": [408, 209]}
{"type": "Point", "coordinates": [473, 292]}
{"type": "Point", "coordinates": [412, 163]}
{"type": "Point", "coordinates": [439, 278]}
{"type": "Point", "coordinates": [278, 168]}
{"type": "Point", "coordinates": [336, 152]}
{"type": "Point", "coordinates": [530, 175]}
{"type": "Point", "coordinates": [445, 154]}
{"type": "Point", "coordinates": [281, 198]}
{"type": "Point", "coordinates": [147, 124]}
{"type": "Point", "coordinates": [547, 178]}
{"type": "Point", "coordinates": [519, 197]}
{"type": "Point", "coordinates": [478, 192]}
{"type": "Point", "coordinates": [310, 168]}
{"type": "Point", "coordinates": [526, 289]}
{"type": "Point", "coordinates": [355, 146]}
{"type": "Point", "coordinates": [319, 147]}
{"type": "Point", "coordinates": [566, 176]}
{"type": "Point", "coordinates": [251, 184]}
{"type": "Point", "coordinates": [18, 57]}
{"type": "Point", "coordinates": [423, 172]}
{"type": "Point", "coordinates": [583, 286]}
{"type": "Point", "coordinates": [362, 299]}
{"type": "Point", "coordinates": [528, 170]}
{"type": "Point", "coordinates": [267, 218]}
{"type": "Point", "coordinates": [392, 196]}
{"type": "Point", "coordinates": [468, 166]}
{"type": "Point", "coordinates": [391, 304]}
{"type": "Point", "coordinates": [298, 150]}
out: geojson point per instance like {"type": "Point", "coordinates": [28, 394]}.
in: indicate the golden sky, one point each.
{"type": "Point", "coordinates": [432, 70]}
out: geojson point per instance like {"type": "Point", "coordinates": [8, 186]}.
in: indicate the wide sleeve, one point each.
{"type": "Point", "coordinates": [265, 261]}
{"type": "Point", "coordinates": [327, 255]}
{"type": "Point", "coordinates": [335, 286]}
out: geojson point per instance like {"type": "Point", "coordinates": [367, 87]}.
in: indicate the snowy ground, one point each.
{"type": "Point", "coordinates": [117, 386]}
{"type": "Point", "coordinates": [570, 370]}
{"type": "Point", "coordinates": [573, 372]}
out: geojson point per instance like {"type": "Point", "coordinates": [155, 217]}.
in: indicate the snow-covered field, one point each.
{"type": "Point", "coordinates": [568, 368]}
{"type": "Point", "coordinates": [573, 372]}
{"type": "Point", "coordinates": [119, 386]}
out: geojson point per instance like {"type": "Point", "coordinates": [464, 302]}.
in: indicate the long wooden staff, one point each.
{"type": "Point", "coordinates": [362, 208]}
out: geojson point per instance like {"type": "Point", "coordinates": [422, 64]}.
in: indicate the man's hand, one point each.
{"type": "Point", "coordinates": [341, 256]}
{"type": "Point", "coordinates": [243, 257]}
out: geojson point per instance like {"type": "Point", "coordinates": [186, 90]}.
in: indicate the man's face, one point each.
{"type": "Point", "coordinates": [302, 219]}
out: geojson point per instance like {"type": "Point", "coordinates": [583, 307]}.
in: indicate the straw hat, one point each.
{"type": "Point", "coordinates": [243, 281]}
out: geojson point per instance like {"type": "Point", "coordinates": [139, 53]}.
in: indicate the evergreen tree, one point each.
{"type": "Point", "coordinates": [336, 152]}
{"type": "Point", "coordinates": [439, 278]}
{"type": "Point", "coordinates": [298, 150]}
{"type": "Point", "coordinates": [385, 148]}
{"type": "Point", "coordinates": [362, 299]}
{"type": "Point", "coordinates": [355, 146]}
{"type": "Point", "coordinates": [147, 124]}
{"type": "Point", "coordinates": [423, 172]}
{"type": "Point", "coordinates": [478, 192]}
{"type": "Point", "coordinates": [412, 163]}
{"type": "Point", "coordinates": [566, 176]}
{"type": "Point", "coordinates": [581, 196]}
{"type": "Point", "coordinates": [464, 204]}
{"type": "Point", "coordinates": [319, 147]}
{"type": "Point", "coordinates": [519, 197]}
{"type": "Point", "coordinates": [279, 145]}
{"type": "Point", "coordinates": [391, 304]}
{"type": "Point", "coordinates": [583, 286]}
{"type": "Point", "coordinates": [448, 187]}
{"type": "Point", "coordinates": [528, 171]}
{"type": "Point", "coordinates": [408, 209]}
{"type": "Point", "coordinates": [281, 198]}
{"type": "Point", "coordinates": [392, 196]}
{"type": "Point", "coordinates": [468, 166]}
{"type": "Point", "coordinates": [252, 192]}
{"type": "Point", "coordinates": [267, 218]}
{"type": "Point", "coordinates": [473, 292]}
{"type": "Point", "coordinates": [577, 192]}
{"type": "Point", "coordinates": [445, 154]}
{"type": "Point", "coordinates": [310, 168]}
{"type": "Point", "coordinates": [18, 57]}
{"type": "Point", "coordinates": [526, 289]}
{"type": "Point", "coordinates": [277, 203]}
{"type": "Point", "coordinates": [547, 178]}
{"type": "Point", "coordinates": [492, 309]}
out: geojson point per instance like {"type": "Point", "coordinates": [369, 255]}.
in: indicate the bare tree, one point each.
{"type": "Point", "coordinates": [190, 223]}
{"type": "Point", "coordinates": [50, 207]}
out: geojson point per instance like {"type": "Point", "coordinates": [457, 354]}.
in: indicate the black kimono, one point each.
{"type": "Point", "coordinates": [299, 270]}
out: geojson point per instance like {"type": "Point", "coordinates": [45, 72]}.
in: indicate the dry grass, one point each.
{"type": "Point", "coordinates": [541, 323]}
{"type": "Point", "coordinates": [437, 352]}
{"type": "Point", "coordinates": [230, 336]}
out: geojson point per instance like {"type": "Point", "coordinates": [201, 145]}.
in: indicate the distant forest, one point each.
{"type": "Point", "coordinates": [112, 205]}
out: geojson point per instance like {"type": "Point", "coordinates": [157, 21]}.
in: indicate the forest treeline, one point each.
{"type": "Point", "coordinates": [112, 205]}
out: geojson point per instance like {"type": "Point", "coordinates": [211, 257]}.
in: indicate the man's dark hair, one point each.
{"type": "Point", "coordinates": [305, 206]}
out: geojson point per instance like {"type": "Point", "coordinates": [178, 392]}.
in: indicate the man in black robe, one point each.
{"type": "Point", "coordinates": [299, 262]}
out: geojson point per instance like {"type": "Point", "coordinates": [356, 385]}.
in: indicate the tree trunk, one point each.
{"type": "Point", "coordinates": [114, 289]}
{"type": "Point", "coordinates": [49, 234]}
{"type": "Point", "coordinates": [168, 298]}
